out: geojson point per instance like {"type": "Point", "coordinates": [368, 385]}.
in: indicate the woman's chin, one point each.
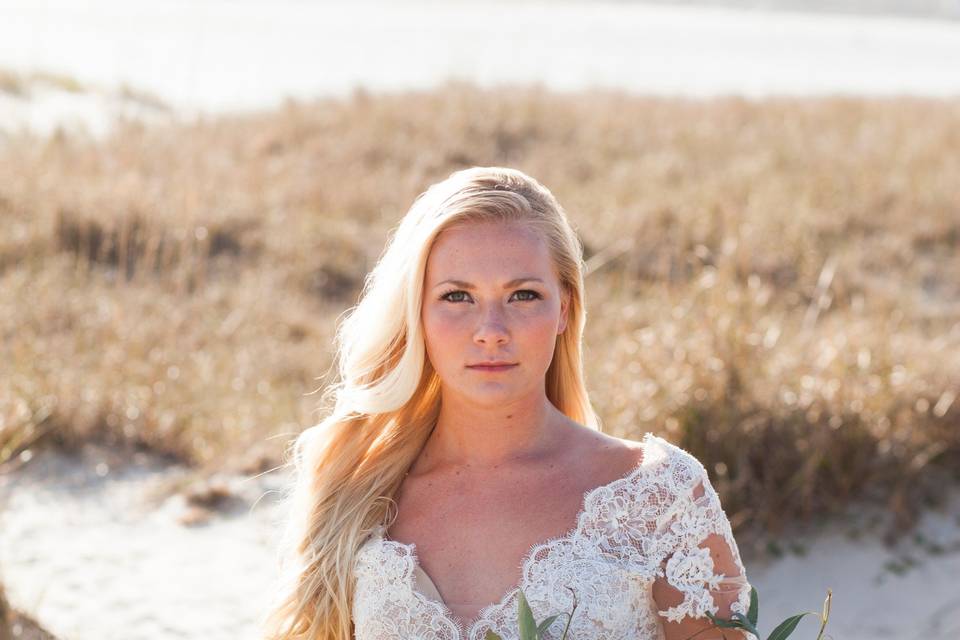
{"type": "Point", "coordinates": [493, 394]}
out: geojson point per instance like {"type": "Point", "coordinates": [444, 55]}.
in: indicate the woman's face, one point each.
{"type": "Point", "coordinates": [505, 304]}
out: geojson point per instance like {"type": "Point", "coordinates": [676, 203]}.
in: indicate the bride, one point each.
{"type": "Point", "coordinates": [462, 462]}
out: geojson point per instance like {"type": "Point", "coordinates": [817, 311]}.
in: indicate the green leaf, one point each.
{"type": "Point", "coordinates": [735, 621]}
{"type": "Point", "coordinates": [723, 622]}
{"type": "Point", "coordinates": [745, 624]}
{"type": "Point", "coordinates": [543, 626]}
{"type": "Point", "coordinates": [491, 636]}
{"type": "Point", "coordinates": [528, 626]}
{"type": "Point", "coordinates": [753, 612]}
{"type": "Point", "coordinates": [785, 628]}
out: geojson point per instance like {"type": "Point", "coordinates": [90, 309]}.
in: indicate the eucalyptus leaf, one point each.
{"type": "Point", "coordinates": [785, 628]}
{"type": "Point", "coordinates": [723, 622]}
{"type": "Point", "coordinates": [543, 626]}
{"type": "Point", "coordinates": [735, 621]}
{"type": "Point", "coordinates": [745, 624]}
{"type": "Point", "coordinates": [754, 610]}
{"type": "Point", "coordinates": [528, 625]}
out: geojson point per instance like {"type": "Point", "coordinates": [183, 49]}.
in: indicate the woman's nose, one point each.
{"type": "Point", "coordinates": [492, 328]}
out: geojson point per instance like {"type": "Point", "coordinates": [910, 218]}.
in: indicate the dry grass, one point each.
{"type": "Point", "coordinates": [774, 285]}
{"type": "Point", "coordinates": [22, 84]}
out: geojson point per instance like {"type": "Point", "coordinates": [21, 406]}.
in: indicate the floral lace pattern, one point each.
{"type": "Point", "coordinates": [645, 525]}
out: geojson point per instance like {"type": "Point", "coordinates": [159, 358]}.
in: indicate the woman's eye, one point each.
{"type": "Point", "coordinates": [447, 295]}
{"type": "Point", "coordinates": [533, 294]}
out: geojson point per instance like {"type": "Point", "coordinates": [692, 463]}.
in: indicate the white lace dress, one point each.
{"type": "Point", "coordinates": [647, 524]}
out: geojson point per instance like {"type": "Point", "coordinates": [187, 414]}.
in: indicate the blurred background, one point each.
{"type": "Point", "coordinates": [191, 194]}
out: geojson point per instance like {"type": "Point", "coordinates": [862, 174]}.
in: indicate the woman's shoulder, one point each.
{"type": "Point", "coordinates": [655, 446]}
{"type": "Point", "coordinates": [648, 451]}
{"type": "Point", "coordinates": [672, 462]}
{"type": "Point", "coordinates": [602, 450]}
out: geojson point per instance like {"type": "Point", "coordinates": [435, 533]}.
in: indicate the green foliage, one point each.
{"type": "Point", "coordinates": [531, 630]}
{"type": "Point", "coordinates": [782, 631]}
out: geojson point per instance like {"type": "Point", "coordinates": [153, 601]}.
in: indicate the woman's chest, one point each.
{"type": "Point", "coordinates": [471, 545]}
{"type": "Point", "coordinates": [607, 597]}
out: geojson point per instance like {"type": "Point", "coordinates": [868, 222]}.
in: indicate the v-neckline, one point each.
{"type": "Point", "coordinates": [464, 627]}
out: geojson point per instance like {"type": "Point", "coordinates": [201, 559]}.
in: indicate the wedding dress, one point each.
{"type": "Point", "coordinates": [644, 525]}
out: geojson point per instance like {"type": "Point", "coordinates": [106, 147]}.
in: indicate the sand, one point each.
{"type": "Point", "coordinates": [85, 550]}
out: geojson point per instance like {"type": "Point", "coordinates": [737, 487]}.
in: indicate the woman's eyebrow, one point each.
{"type": "Point", "coordinates": [507, 285]}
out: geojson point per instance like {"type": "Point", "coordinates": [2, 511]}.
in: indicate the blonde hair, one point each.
{"type": "Point", "coordinates": [349, 467]}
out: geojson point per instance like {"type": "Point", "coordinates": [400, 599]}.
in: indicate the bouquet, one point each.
{"type": "Point", "coordinates": [530, 629]}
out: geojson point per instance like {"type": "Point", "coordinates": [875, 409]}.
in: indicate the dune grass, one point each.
{"type": "Point", "coordinates": [773, 285]}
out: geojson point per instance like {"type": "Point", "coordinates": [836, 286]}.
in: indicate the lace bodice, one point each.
{"type": "Point", "coordinates": [644, 526]}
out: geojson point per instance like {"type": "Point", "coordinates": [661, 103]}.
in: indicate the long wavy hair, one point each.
{"type": "Point", "coordinates": [348, 468]}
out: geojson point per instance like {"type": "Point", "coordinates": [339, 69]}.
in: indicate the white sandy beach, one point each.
{"type": "Point", "coordinates": [84, 550]}
{"type": "Point", "coordinates": [217, 54]}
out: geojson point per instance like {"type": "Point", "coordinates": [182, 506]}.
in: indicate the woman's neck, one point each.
{"type": "Point", "coordinates": [484, 437]}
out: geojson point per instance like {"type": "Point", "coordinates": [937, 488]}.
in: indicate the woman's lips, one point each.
{"type": "Point", "coordinates": [500, 367]}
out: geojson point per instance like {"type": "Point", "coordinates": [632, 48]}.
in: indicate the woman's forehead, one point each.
{"type": "Point", "coordinates": [488, 251]}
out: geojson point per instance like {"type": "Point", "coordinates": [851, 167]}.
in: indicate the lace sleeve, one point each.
{"type": "Point", "coordinates": [701, 571]}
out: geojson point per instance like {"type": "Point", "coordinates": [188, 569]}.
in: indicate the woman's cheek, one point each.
{"type": "Point", "coordinates": [448, 322]}
{"type": "Point", "coordinates": [442, 330]}
{"type": "Point", "coordinates": [544, 317]}
{"type": "Point", "coordinates": [533, 332]}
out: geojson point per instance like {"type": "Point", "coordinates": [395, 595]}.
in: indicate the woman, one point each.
{"type": "Point", "coordinates": [462, 461]}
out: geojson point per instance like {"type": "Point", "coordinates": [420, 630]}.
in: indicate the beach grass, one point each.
{"type": "Point", "coordinates": [772, 284]}
{"type": "Point", "coordinates": [22, 84]}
